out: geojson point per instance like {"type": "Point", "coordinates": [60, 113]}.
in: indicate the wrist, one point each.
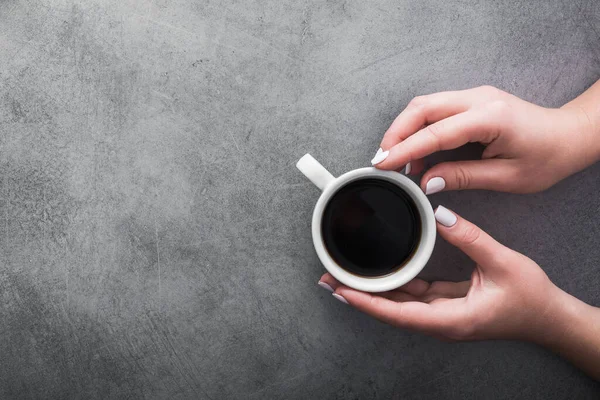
{"type": "Point", "coordinates": [574, 333]}
{"type": "Point", "coordinates": [585, 125]}
{"type": "Point", "coordinates": [565, 314]}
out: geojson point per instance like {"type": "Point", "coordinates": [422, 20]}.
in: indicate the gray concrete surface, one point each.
{"type": "Point", "coordinates": [155, 234]}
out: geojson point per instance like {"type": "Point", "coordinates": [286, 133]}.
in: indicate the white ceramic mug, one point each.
{"type": "Point", "coordinates": [330, 185]}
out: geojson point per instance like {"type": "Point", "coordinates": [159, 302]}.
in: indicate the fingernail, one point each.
{"type": "Point", "coordinates": [445, 216]}
{"type": "Point", "coordinates": [408, 169]}
{"type": "Point", "coordinates": [435, 185]}
{"type": "Point", "coordinates": [340, 298]}
{"type": "Point", "coordinates": [325, 286]}
{"type": "Point", "coordinates": [379, 156]}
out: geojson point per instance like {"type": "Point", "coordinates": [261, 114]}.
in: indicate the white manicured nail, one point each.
{"type": "Point", "coordinates": [408, 169]}
{"type": "Point", "coordinates": [325, 286]}
{"type": "Point", "coordinates": [445, 216]}
{"type": "Point", "coordinates": [380, 156]}
{"type": "Point", "coordinates": [340, 298]}
{"type": "Point", "coordinates": [435, 185]}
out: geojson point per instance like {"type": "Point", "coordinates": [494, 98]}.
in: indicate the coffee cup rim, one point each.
{"type": "Point", "coordinates": [418, 260]}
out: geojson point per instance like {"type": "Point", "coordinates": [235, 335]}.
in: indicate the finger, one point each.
{"type": "Point", "coordinates": [415, 290]}
{"type": "Point", "coordinates": [431, 108]}
{"type": "Point", "coordinates": [469, 238]}
{"type": "Point", "coordinates": [416, 287]}
{"type": "Point", "coordinates": [425, 110]}
{"type": "Point", "coordinates": [446, 290]}
{"type": "Point", "coordinates": [413, 315]}
{"type": "Point", "coordinates": [476, 125]}
{"type": "Point", "coordinates": [397, 296]}
{"type": "Point", "coordinates": [427, 292]}
{"type": "Point", "coordinates": [328, 282]}
{"type": "Point", "coordinates": [429, 297]}
{"type": "Point", "coordinates": [415, 167]}
{"type": "Point", "coordinates": [489, 174]}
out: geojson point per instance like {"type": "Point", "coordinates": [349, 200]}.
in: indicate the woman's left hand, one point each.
{"type": "Point", "coordinates": [508, 296]}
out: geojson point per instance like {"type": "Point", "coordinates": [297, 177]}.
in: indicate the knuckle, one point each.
{"type": "Point", "coordinates": [470, 235]}
{"type": "Point", "coordinates": [518, 180]}
{"type": "Point", "coordinates": [464, 330]}
{"type": "Point", "coordinates": [501, 258]}
{"type": "Point", "coordinates": [461, 332]}
{"type": "Point", "coordinates": [375, 302]}
{"type": "Point", "coordinates": [514, 180]}
{"type": "Point", "coordinates": [435, 129]}
{"type": "Point", "coordinates": [429, 298]}
{"type": "Point", "coordinates": [435, 132]}
{"type": "Point", "coordinates": [491, 91]}
{"type": "Point", "coordinates": [463, 178]}
{"type": "Point", "coordinates": [436, 287]}
{"type": "Point", "coordinates": [418, 101]}
{"type": "Point", "coordinates": [499, 108]}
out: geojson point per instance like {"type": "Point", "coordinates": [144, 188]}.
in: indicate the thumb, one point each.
{"type": "Point", "coordinates": [489, 174]}
{"type": "Point", "coordinates": [469, 238]}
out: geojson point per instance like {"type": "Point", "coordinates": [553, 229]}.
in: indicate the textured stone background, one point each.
{"type": "Point", "coordinates": [154, 233]}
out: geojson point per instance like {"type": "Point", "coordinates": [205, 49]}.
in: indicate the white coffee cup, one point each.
{"type": "Point", "coordinates": [329, 185]}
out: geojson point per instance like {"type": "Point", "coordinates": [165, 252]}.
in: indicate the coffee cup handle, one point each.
{"type": "Point", "coordinates": [314, 171]}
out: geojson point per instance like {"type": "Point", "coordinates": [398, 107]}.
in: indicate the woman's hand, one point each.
{"type": "Point", "coordinates": [508, 296]}
{"type": "Point", "coordinates": [528, 148]}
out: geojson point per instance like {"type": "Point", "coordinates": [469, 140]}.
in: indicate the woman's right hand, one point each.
{"type": "Point", "coordinates": [528, 148]}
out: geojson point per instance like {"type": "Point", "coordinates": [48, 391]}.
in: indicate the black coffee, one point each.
{"type": "Point", "coordinates": [371, 227]}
